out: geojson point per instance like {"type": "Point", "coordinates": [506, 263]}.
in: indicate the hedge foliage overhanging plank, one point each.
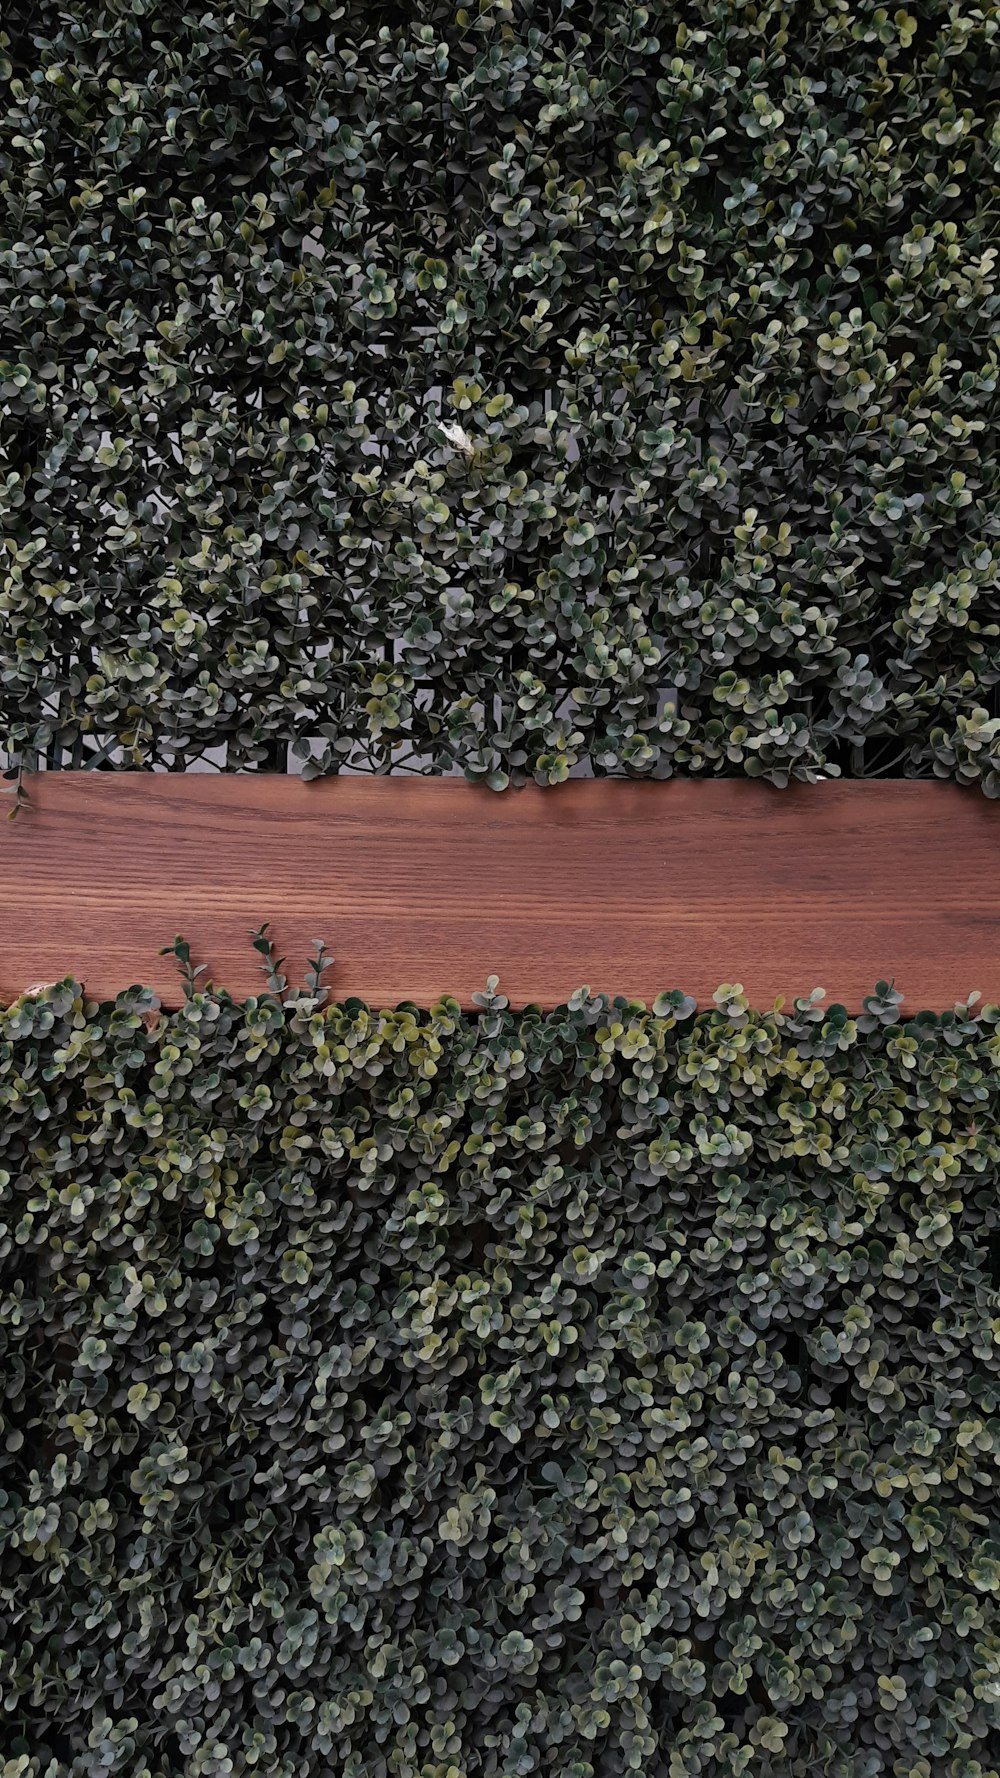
{"type": "Point", "coordinates": [501, 386]}
{"type": "Point", "coordinates": [433, 1395]}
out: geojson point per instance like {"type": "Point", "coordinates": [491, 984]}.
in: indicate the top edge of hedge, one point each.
{"type": "Point", "coordinates": [812, 1014]}
{"type": "Point", "coordinates": [451, 389]}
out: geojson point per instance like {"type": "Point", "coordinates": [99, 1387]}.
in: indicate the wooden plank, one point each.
{"type": "Point", "coordinates": [425, 886]}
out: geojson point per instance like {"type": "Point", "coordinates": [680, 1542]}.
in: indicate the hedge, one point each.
{"type": "Point", "coordinates": [417, 1394]}
{"type": "Point", "coordinates": [505, 387]}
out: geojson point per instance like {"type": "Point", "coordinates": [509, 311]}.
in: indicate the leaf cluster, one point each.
{"type": "Point", "coordinates": [505, 388]}
{"type": "Point", "coordinates": [511, 1394]}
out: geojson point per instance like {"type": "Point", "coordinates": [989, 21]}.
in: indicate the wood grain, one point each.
{"type": "Point", "coordinates": [425, 886]}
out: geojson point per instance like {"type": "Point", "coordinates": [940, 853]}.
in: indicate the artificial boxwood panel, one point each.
{"type": "Point", "coordinates": [431, 1395]}
{"type": "Point", "coordinates": [506, 386]}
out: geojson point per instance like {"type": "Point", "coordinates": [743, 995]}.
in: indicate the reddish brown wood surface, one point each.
{"type": "Point", "coordinates": [422, 887]}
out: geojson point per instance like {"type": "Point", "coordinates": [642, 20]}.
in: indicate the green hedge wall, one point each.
{"type": "Point", "coordinates": [424, 1395]}
{"type": "Point", "coordinates": [501, 386]}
